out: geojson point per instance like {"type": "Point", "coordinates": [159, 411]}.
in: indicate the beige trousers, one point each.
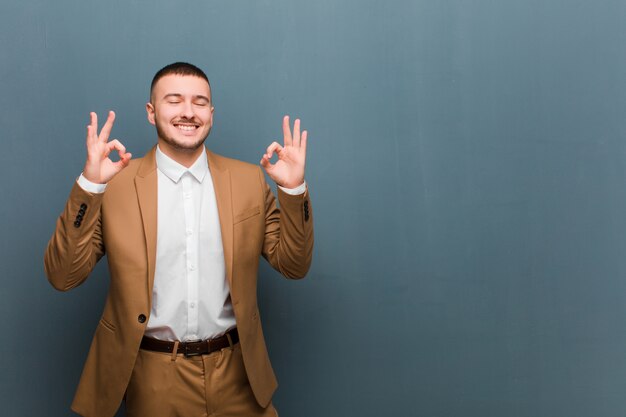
{"type": "Point", "coordinates": [166, 385]}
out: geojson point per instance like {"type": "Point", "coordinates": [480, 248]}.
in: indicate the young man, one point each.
{"type": "Point", "coordinates": [183, 229]}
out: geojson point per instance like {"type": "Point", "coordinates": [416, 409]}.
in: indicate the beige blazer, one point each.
{"type": "Point", "coordinates": [122, 222]}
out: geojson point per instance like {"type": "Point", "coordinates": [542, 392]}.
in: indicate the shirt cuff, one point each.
{"type": "Point", "coordinates": [89, 186]}
{"type": "Point", "coordinates": [294, 191]}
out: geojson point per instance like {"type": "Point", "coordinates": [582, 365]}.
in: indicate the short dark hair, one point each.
{"type": "Point", "coordinates": [178, 68]}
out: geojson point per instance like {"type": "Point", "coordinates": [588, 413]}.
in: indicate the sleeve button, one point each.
{"type": "Point", "coordinates": [141, 318]}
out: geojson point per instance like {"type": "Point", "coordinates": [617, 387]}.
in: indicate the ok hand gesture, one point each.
{"type": "Point", "coordinates": [288, 171]}
{"type": "Point", "coordinates": [99, 168]}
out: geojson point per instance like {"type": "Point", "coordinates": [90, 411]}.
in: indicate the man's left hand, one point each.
{"type": "Point", "coordinates": [288, 170]}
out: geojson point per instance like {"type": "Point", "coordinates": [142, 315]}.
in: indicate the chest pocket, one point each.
{"type": "Point", "coordinates": [246, 214]}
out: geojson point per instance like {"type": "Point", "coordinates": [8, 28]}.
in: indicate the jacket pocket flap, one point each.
{"type": "Point", "coordinates": [108, 325]}
{"type": "Point", "coordinates": [247, 214]}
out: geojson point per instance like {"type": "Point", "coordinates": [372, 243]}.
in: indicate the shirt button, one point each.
{"type": "Point", "coordinates": [192, 305]}
{"type": "Point", "coordinates": [191, 267]}
{"type": "Point", "coordinates": [187, 195]}
{"type": "Point", "coordinates": [189, 232]}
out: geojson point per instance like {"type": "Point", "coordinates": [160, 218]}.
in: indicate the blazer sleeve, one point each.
{"type": "Point", "coordinates": [288, 244]}
{"type": "Point", "coordinates": [76, 244]}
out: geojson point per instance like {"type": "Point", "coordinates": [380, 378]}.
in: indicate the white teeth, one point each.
{"type": "Point", "coordinates": [186, 128]}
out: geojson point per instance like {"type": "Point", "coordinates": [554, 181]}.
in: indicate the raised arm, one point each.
{"type": "Point", "coordinates": [76, 244]}
{"type": "Point", "coordinates": [288, 244]}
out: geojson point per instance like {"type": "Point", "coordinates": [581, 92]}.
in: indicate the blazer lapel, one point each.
{"type": "Point", "coordinates": [146, 185]}
{"type": "Point", "coordinates": [221, 183]}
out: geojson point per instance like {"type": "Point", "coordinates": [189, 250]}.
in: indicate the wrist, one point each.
{"type": "Point", "coordinates": [298, 190]}
{"type": "Point", "coordinates": [91, 172]}
{"type": "Point", "coordinates": [90, 175]}
{"type": "Point", "coordinates": [291, 184]}
{"type": "Point", "coordinates": [90, 186]}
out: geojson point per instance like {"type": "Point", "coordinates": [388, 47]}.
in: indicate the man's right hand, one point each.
{"type": "Point", "coordinates": [99, 168]}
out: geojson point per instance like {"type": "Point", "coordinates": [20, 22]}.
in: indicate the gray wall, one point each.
{"type": "Point", "coordinates": [467, 167]}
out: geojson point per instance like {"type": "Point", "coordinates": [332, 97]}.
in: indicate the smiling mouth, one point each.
{"type": "Point", "coordinates": [186, 127]}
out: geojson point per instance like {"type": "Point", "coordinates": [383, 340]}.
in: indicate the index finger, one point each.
{"type": "Point", "coordinates": [106, 129]}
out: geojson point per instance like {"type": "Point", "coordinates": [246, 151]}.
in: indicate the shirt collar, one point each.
{"type": "Point", "coordinates": [174, 171]}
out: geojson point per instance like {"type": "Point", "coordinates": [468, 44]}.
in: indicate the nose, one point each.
{"type": "Point", "coordinates": [187, 110]}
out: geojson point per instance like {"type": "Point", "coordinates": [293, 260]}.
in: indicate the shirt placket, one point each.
{"type": "Point", "coordinates": [191, 243]}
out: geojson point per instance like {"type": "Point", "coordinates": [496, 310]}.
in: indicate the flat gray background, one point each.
{"type": "Point", "coordinates": [467, 167]}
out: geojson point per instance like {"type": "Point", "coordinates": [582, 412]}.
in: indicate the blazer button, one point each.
{"type": "Point", "coordinates": [141, 318]}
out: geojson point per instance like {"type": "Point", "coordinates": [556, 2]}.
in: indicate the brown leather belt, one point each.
{"type": "Point", "coordinates": [192, 348]}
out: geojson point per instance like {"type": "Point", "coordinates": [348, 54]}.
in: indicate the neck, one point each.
{"type": "Point", "coordinates": [185, 157]}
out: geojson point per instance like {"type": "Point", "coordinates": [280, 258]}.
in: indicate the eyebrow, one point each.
{"type": "Point", "coordinates": [177, 95]}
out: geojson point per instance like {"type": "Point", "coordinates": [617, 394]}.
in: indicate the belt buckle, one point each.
{"type": "Point", "coordinates": [189, 353]}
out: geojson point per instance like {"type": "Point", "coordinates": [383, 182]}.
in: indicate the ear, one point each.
{"type": "Point", "coordinates": [150, 112]}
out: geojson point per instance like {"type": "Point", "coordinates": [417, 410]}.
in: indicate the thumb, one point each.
{"type": "Point", "coordinates": [265, 162]}
{"type": "Point", "coordinates": [123, 162]}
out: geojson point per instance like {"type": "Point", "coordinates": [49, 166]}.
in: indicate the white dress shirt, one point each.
{"type": "Point", "coordinates": [190, 295]}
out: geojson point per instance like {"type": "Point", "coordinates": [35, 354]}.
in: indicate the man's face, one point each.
{"type": "Point", "coordinates": [181, 110]}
